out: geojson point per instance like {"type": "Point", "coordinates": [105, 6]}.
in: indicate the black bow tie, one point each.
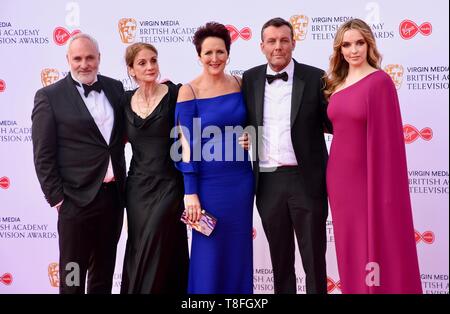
{"type": "Point", "coordinates": [271, 78]}
{"type": "Point", "coordinates": [97, 86]}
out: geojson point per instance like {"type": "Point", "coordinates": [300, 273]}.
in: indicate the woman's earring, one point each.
{"type": "Point", "coordinates": [228, 61]}
{"type": "Point", "coordinates": [199, 62]}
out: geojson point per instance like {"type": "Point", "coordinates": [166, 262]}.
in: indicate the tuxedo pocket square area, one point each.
{"type": "Point", "coordinates": [204, 225]}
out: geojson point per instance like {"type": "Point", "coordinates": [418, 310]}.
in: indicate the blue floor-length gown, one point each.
{"type": "Point", "coordinates": [223, 179]}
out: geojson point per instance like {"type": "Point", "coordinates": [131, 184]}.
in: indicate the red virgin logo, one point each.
{"type": "Point", "coordinates": [245, 33]}
{"type": "Point", "coordinates": [411, 133]}
{"type": "Point", "coordinates": [254, 233]}
{"type": "Point", "coordinates": [2, 85]}
{"type": "Point", "coordinates": [427, 237]}
{"type": "Point", "coordinates": [333, 285]}
{"type": "Point", "coordinates": [408, 29]}
{"type": "Point", "coordinates": [4, 182]}
{"type": "Point", "coordinates": [6, 279]}
{"type": "Point", "coordinates": [62, 35]}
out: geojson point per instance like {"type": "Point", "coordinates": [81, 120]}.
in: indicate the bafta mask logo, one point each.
{"type": "Point", "coordinates": [127, 30]}
{"type": "Point", "coordinates": [49, 76]}
{"type": "Point", "coordinates": [300, 25]}
{"type": "Point", "coordinates": [2, 85]}
{"type": "Point", "coordinates": [53, 274]}
{"type": "Point", "coordinates": [395, 71]}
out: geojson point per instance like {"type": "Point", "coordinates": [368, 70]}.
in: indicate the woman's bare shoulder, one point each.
{"type": "Point", "coordinates": [185, 93]}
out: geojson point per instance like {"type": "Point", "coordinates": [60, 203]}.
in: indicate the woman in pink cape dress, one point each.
{"type": "Point", "coordinates": [367, 174]}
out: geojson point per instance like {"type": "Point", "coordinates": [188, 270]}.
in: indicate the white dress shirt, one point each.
{"type": "Point", "coordinates": [277, 149]}
{"type": "Point", "coordinates": [103, 115]}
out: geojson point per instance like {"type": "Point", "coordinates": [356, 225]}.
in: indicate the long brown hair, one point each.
{"type": "Point", "coordinates": [338, 69]}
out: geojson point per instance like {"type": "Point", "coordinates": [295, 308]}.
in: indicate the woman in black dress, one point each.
{"type": "Point", "coordinates": [156, 256]}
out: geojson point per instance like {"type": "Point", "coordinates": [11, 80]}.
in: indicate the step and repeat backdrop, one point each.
{"type": "Point", "coordinates": [412, 35]}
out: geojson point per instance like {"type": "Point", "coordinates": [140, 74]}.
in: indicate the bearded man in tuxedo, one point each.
{"type": "Point", "coordinates": [78, 146]}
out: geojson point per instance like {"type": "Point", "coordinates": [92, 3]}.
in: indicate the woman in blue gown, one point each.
{"type": "Point", "coordinates": [211, 114]}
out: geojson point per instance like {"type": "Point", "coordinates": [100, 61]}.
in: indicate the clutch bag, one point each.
{"type": "Point", "coordinates": [205, 224]}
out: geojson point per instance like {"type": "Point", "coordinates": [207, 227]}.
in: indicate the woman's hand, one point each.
{"type": "Point", "coordinates": [193, 207]}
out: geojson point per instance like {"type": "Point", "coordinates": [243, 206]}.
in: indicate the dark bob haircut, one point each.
{"type": "Point", "coordinates": [211, 29]}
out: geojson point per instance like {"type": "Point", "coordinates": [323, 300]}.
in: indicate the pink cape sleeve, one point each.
{"type": "Point", "coordinates": [390, 222]}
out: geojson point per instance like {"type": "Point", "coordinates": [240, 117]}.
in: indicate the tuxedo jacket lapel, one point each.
{"type": "Point", "coordinates": [260, 84]}
{"type": "Point", "coordinates": [78, 101]}
{"type": "Point", "coordinates": [107, 90]}
{"type": "Point", "coordinates": [109, 95]}
{"type": "Point", "coordinates": [298, 86]}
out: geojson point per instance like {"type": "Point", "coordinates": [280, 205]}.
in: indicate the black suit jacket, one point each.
{"type": "Point", "coordinates": [70, 154]}
{"type": "Point", "coordinates": [308, 121]}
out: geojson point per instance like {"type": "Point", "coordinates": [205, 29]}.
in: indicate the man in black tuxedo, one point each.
{"type": "Point", "coordinates": [79, 158]}
{"type": "Point", "coordinates": [284, 99]}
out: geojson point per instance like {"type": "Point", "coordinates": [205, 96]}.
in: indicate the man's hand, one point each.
{"type": "Point", "coordinates": [244, 141]}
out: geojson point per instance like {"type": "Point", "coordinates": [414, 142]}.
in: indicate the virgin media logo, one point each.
{"type": "Point", "coordinates": [411, 133]}
{"type": "Point", "coordinates": [4, 182]}
{"type": "Point", "coordinates": [333, 285]}
{"type": "Point", "coordinates": [2, 85]}
{"type": "Point", "coordinates": [408, 29]}
{"type": "Point", "coordinates": [254, 233]}
{"type": "Point", "coordinates": [62, 35]}
{"type": "Point", "coordinates": [6, 279]}
{"type": "Point", "coordinates": [427, 237]}
{"type": "Point", "coordinates": [245, 33]}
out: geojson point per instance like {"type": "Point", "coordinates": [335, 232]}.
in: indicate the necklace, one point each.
{"type": "Point", "coordinates": [149, 103]}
